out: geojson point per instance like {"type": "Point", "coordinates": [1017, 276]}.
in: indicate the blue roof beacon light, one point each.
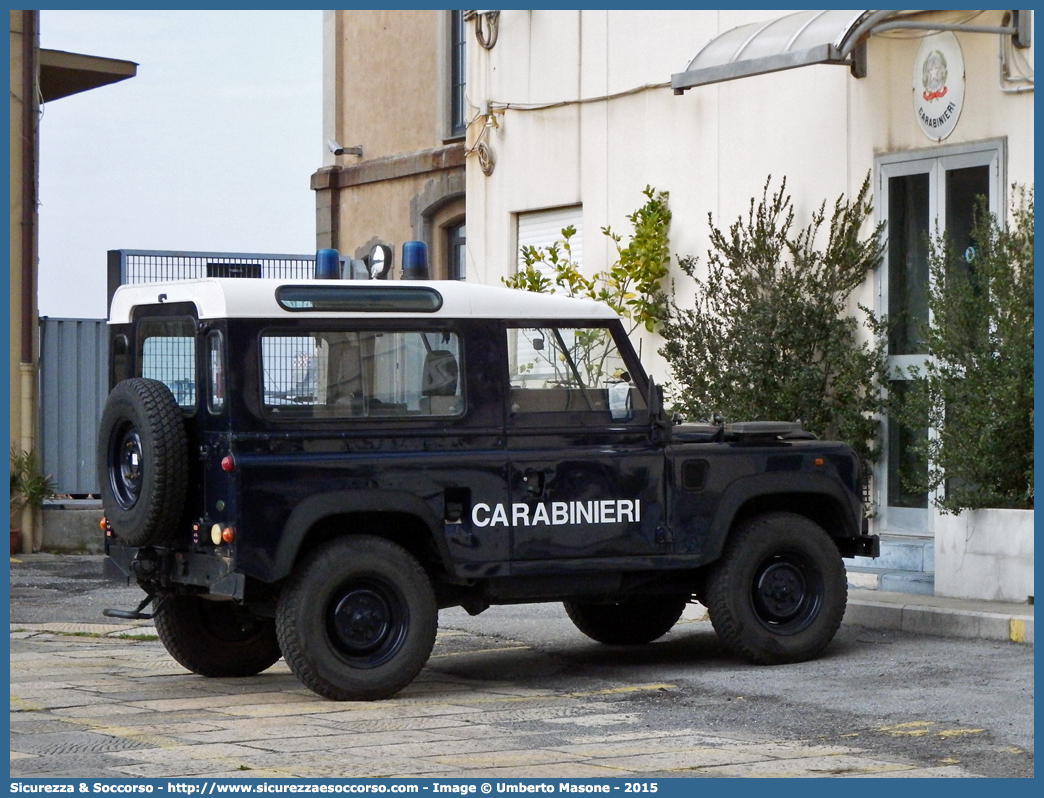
{"type": "Point", "coordinates": [414, 260]}
{"type": "Point", "coordinates": [327, 264]}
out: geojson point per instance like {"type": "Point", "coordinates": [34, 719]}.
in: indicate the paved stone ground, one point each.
{"type": "Point", "coordinates": [105, 700]}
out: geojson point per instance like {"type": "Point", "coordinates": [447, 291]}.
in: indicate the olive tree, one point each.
{"type": "Point", "coordinates": [976, 388]}
{"type": "Point", "coordinates": [768, 335]}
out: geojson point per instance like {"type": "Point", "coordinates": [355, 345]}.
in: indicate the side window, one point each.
{"type": "Point", "coordinates": [458, 74]}
{"type": "Point", "coordinates": [362, 374]}
{"type": "Point", "coordinates": [167, 352]}
{"type": "Point", "coordinates": [215, 372]}
{"type": "Point", "coordinates": [456, 251]}
{"type": "Point", "coordinates": [570, 370]}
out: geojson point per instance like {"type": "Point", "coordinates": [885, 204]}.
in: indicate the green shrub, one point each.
{"type": "Point", "coordinates": [768, 336]}
{"type": "Point", "coordinates": [29, 486]}
{"type": "Point", "coordinates": [976, 389]}
{"type": "Point", "coordinates": [632, 286]}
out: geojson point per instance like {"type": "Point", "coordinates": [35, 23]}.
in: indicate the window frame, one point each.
{"type": "Point", "coordinates": [456, 76]}
{"type": "Point", "coordinates": [176, 313]}
{"type": "Point", "coordinates": [597, 420]}
{"type": "Point", "coordinates": [454, 242]}
{"type": "Point", "coordinates": [936, 162]}
{"type": "Point", "coordinates": [321, 326]}
{"type": "Point", "coordinates": [213, 408]}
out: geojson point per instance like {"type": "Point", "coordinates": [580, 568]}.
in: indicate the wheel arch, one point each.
{"type": "Point", "coordinates": [819, 499]}
{"type": "Point", "coordinates": [397, 516]}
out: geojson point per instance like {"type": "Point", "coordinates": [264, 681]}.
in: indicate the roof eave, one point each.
{"type": "Point", "coordinates": [822, 54]}
{"type": "Point", "coordinates": [63, 74]}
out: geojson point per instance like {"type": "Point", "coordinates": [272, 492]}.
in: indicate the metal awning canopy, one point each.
{"type": "Point", "coordinates": [62, 73]}
{"type": "Point", "coordinates": [816, 37]}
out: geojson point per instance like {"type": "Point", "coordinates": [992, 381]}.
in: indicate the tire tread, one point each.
{"type": "Point", "coordinates": [634, 622]}
{"type": "Point", "coordinates": [180, 631]}
{"type": "Point", "coordinates": [303, 655]}
{"type": "Point", "coordinates": [730, 625]}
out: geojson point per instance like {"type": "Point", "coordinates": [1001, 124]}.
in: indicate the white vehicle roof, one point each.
{"type": "Point", "coordinates": [222, 298]}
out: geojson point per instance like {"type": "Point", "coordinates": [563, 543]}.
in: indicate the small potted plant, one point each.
{"type": "Point", "coordinates": [29, 488]}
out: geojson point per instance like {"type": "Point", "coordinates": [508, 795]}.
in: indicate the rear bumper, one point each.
{"type": "Point", "coordinates": [213, 573]}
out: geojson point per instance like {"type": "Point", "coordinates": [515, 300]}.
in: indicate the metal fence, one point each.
{"type": "Point", "coordinates": [73, 386]}
{"type": "Point", "coordinates": [149, 266]}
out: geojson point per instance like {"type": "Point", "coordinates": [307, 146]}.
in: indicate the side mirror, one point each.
{"type": "Point", "coordinates": [620, 408]}
{"type": "Point", "coordinates": [655, 399]}
{"type": "Point", "coordinates": [656, 414]}
{"type": "Point", "coordinates": [380, 262]}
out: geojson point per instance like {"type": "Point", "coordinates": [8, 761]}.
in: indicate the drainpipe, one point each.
{"type": "Point", "coordinates": [27, 366]}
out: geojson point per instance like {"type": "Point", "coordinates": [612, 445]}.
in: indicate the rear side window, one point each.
{"type": "Point", "coordinates": [167, 352]}
{"type": "Point", "coordinates": [362, 374]}
{"type": "Point", "coordinates": [215, 372]}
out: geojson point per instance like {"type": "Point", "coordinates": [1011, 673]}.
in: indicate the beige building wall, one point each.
{"type": "Point", "coordinates": [386, 89]}
{"type": "Point", "coordinates": [23, 348]}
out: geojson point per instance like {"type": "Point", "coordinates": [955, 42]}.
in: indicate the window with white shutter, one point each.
{"type": "Point", "coordinates": [543, 228]}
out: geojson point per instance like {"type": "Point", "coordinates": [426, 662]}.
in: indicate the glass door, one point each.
{"type": "Point", "coordinates": [920, 195]}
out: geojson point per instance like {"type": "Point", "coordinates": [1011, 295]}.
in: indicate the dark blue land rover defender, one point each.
{"type": "Point", "coordinates": [313, 468]}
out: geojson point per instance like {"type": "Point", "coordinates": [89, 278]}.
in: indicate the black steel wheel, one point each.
{"type": "Point", "coordinates": [779, 592]}
{"type": "Point", "coordinates": [216, 638]}
{"type": "Point", "coordinates": [142, 461]}
{"type": "Point", "coordinates": [125, 464]}
{"type": "Point", "coordinates": [630, 622]}
{"type": "Point", "coordinates": [357, 619]}
{"type": "Point", "coordinates": [367, 622]}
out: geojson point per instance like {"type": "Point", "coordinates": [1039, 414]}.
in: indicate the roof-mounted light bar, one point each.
{"type": "Point", "coordinates": [359, 297]}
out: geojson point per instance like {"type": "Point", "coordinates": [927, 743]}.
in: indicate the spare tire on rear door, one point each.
{"type": "Point", "coordinates": [142, 461]}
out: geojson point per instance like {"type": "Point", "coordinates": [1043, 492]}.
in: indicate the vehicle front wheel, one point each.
{"type": "Point", "coordinates": [779, 592]}
{"type": "Point", "coordinates": [357, 619]}
{"type": "Point", "coordinates": [216, 638]}
{"type": "Point", "coordinates": [629, 622]}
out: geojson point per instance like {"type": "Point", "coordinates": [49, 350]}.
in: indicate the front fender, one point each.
{"type": "Point", "coordinates": [785, 491]}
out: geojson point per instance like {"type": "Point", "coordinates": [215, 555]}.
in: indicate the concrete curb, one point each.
{"type": "Point", "coordinates": [942, 617]}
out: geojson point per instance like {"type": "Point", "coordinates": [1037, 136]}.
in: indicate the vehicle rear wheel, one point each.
{"type": "Point", "coordinates": [357, 619]}
{"type": "Point", "coordinates": [142, 461]}
{"type": "Point", "coordinates": [629, 622]}
{"type": "Point", "coordinates": [779, 592]}
{"type": "Point", "coordinates": [216, 638]}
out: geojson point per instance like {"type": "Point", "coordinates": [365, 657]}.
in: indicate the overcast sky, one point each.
{"type": "Point", "coordinates": [210, 147]}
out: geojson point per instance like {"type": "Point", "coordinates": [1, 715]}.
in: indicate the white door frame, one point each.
{"type": "Point", "coordinates": [935, 162]}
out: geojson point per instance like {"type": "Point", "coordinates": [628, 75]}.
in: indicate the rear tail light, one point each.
{"type": "Point", "coordinates": [222, 533]}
